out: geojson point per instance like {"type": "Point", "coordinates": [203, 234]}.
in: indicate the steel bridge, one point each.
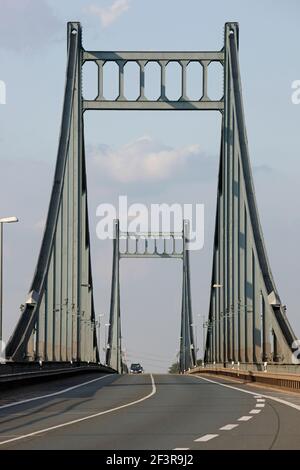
{"type": "Point", "coordinates": [247, 322]}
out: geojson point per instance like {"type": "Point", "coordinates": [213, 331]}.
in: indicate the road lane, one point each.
{"type": "Point", "coordinates": [185, 412]}
{"type": "Point", "coordinates": [277, 428]}
{"type": "Point", "coordinates": [80, 420]}
{"type": "Point", "coordinates": [13, 393]}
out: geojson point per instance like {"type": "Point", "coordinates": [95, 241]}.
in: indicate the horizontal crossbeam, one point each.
{"type": "Point", "coordinates": [151, 255]}
{"type": "Point", "coordinates": [153, 105]}
{"type": "Point", "coordinates": [162, 59]}
{"type": "Point", "coordinates": [152, 56]}
{"type": "Point", "coordinates": [153, 235]}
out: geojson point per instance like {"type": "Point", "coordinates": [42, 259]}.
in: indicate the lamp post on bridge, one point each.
{"type": "Point", "coordinates": [5, 220]}
{"type": "Point", "coordinates": [98, 325]}
{"type": "Point", "coordinates": [200, 317]}
{"type": "Point", "coordinates": [194, 326]}
{"type": "Point", "coordinates": [106, 326]}
{"type": "Point", "coordinates": [206, 324]}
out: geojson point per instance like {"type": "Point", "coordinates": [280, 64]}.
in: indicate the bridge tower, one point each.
{"type": "Point", "coordinates": [58, 321]}
{"type": "Point", "coordinates": [247, 322]}
{"type": "Point", "coordinates": [154, 245]}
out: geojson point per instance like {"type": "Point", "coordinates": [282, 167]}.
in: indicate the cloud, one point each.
{"type": "Point", "coordinates": [143, 160]}
{"type": "Point", "coordinates": [27, 24]}
{"type": "Point", "coordinates": [109, 14]}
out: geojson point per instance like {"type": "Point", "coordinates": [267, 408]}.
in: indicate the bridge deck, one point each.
{"type": "Point", "coordinates": [134, 412]}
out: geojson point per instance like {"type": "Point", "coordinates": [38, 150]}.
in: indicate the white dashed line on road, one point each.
{"type": "Point", "coordinates": [254, 412]}
{"type": "Point", "coordinates": [268, 397]}
{"type": "Point", "coordinates": [206, 438]}
{"type": "Point", "coordinates": [260, 403]}
{"type": "Point", "coordinates": [228, 427]}
{"type": "Point", "coordinates": [245, 418]}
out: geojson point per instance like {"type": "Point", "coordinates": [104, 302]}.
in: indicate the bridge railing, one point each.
{"type": "Point", "coordinates": [279, 379]}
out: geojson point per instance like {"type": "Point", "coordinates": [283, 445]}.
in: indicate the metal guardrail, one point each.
{"type": "Point", "coordinates": [17, 371]}
{"type": "Point", "coordinates": [286, 381]}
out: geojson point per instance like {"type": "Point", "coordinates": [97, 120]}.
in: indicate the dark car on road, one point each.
{"type": "Point", "coordinates": [136, 369]}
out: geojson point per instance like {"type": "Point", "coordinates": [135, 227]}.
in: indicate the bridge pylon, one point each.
{"type": "Point", "coordinates": [114, 345]}
{"type": "Point", "coordinates": [140, 248]}
{"type": "Point", "coordinates": [187, 350]}
{"type": "Point", "coordinates": [247, 321]}
{"type": "Point", "coordinates": [58, 321]}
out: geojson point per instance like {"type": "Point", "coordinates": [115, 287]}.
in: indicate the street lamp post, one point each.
{"type": "Point", "coordinates": [5, 220]}
{"type": "Point", "coordinates": [203, 340]}
{"type": "Point", "coordinates": [98, 323]}
{"type": "Point", "coordinates": [106, 326]}
{"type": "Point", "coordinates": [198, 329]}
{"type": "Point", "coordinates": [194, 326]}
{"type": "Point", "coordinates": [208, 326]}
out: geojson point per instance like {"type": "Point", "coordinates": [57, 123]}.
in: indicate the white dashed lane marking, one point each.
{"type": "Point", "coordinates": [268, 397]}
{"type": "Point", "coordinates": [260, 403]}
{"type": "Point", "coordinates": [206, 438]}
{"type": "Point", "coordinates": [245, 418]}
{"type": "Point", "coordinates": [254, 412]}
{"type": "Point", "coordinates": [228, 427]}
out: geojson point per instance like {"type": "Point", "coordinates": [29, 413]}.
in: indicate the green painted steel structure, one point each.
{"type": "Point", "coordinates": [142, 249]}
{"type": "Point", "coordinates": [246, 323]}
{"type": "Point", "coordinates": [58, 321]}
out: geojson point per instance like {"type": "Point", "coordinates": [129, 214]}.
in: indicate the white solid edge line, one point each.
{"type": "Point", "coordinates": [85, 418]}
{"type": "Point", "coordinates": [206, 437]}
{"type": "Point", "coordinates": [48, 395]}
{"type": "Point", "coordinates": [269, 397]}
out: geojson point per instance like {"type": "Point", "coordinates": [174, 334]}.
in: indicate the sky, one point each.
{"type": "Point", "coordinates": [185, 146]}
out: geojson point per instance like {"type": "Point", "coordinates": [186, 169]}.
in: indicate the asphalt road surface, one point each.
{"type": "Point", "coordinates": [152, 412]}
